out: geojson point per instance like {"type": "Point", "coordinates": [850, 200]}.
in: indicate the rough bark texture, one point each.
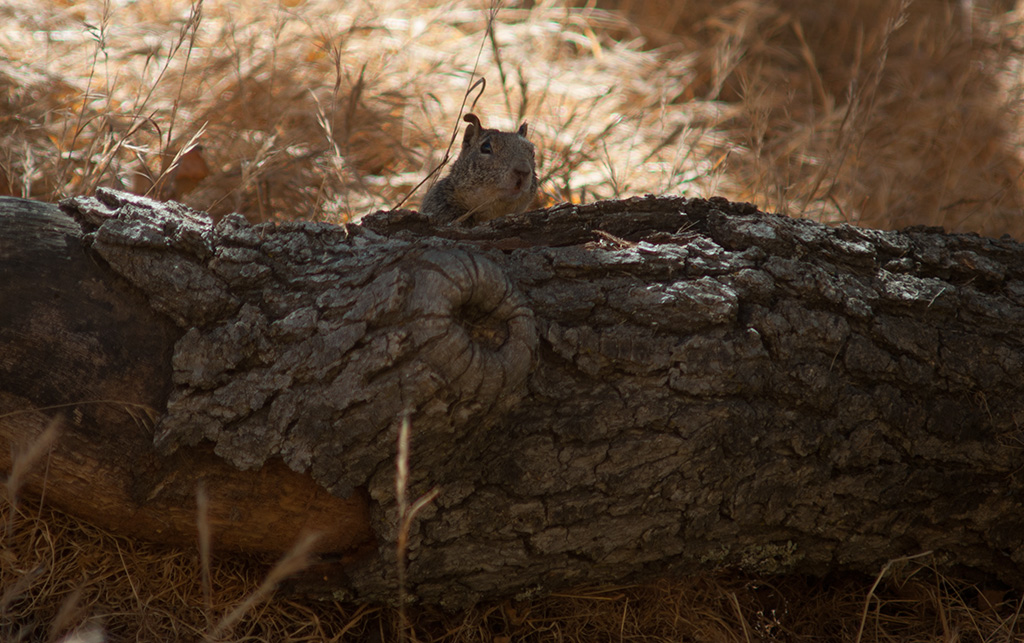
{"type": "Point", "coordinates": [79, 344]}
{"type": "Point", "coordinates": [603, 392]}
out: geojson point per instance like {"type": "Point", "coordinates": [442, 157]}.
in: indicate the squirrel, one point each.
{"type": "Point", "coordinates": [494, 175]}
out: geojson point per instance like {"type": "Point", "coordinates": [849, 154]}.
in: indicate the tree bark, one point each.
{"type": "Point", "coordinates": [79, 344]}
{"type": "Point", "coordinates": [601, 393]}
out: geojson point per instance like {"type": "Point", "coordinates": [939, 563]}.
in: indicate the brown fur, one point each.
{"type": "Point", "coordinates": [494, 175]}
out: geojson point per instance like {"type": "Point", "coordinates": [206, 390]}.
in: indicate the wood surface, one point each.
{"type": "Point", "coordinates": [601, 393]}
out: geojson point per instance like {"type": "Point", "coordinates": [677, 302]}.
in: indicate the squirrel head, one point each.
{"type": "Point", "coordinates": [497, 170]}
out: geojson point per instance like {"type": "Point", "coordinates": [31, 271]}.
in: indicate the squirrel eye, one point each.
{"type": "Point", "coordinates": [485, 147]}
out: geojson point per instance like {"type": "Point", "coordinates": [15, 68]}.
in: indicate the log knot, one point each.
{"type": "Point", "coordinates": [476, 328]}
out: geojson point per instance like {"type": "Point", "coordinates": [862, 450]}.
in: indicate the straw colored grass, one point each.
{"type": "Point", "coordinates": [59, 576]}
{"type": "Point", "coordinates": [877, 112]}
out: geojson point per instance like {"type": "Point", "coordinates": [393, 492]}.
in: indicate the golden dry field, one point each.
{"type": "Point", "coordinates": [874, 112]}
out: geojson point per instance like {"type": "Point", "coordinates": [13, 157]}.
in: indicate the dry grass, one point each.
{"type": "Point", "coordinates": [59, 576]}
{"type": "Point", "coordinates": [869, 111]}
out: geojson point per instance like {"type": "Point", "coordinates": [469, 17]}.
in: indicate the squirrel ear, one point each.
{"type": "Point", "coordinates": [522, 130]}
{"type": "Point", "coordinates": [473, 130]}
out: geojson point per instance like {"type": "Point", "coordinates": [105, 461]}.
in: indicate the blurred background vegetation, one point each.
{"type": "Point", "coordinates": [876, 112]}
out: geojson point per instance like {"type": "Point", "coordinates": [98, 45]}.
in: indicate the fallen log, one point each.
{"type": "Point", "coordinates": [600, 393]}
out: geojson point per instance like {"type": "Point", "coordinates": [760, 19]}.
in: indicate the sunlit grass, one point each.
{"type": "Point", "coordinates": [867, 111]}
